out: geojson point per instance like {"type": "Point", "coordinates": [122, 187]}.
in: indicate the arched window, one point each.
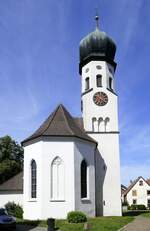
{"type": "Point", "coordinates": [99, 80]}
{"type": "Point", "coordinates": [87, 83]}
{"type": "Point", "coordinates": [94, 124]}
{"type": "Point", "coordinates": [100, 124]}
{"type": "Point", "coordinates": [110, 83]}
{"type": "Point", "coordinates": [33, 179]}
{"type": "Point", "coordinates": [81, 106]}
{"type": "Point", "coordinates": [83, 179]}
{"type": "Point", "coordinates": [107, 124]}
{"type": "Point", "coordinates": [57, 179]}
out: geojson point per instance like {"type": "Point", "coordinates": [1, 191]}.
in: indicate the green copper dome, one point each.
{"type": "Point", "coordinates": [97, 43]}
{"type": "Point", "coordinates": [97, 46]}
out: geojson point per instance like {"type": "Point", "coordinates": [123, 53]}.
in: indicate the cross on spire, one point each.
{"type": "Point", "coordinates": [97, 20]}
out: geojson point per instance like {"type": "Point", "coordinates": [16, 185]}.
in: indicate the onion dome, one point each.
{"type": "Point", "coordinates": [97, 46]}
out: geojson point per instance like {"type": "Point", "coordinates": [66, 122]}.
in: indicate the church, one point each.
{"type": "Point", "coordinates": [73, 163]}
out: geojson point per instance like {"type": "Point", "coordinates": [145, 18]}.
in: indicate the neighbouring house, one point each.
{"type": "Point", "coordinates": [138, 192]}
{"type": "Point", "coordinates": [74, 163]}
{"type": "Point", "coordinates": [12, 190]}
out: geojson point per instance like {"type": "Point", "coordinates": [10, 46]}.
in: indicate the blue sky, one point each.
{"type": "Point", "coordinates": [39, 55]}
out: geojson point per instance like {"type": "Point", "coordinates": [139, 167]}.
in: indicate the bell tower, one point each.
{"type": "Point", "coordinates": [100, 115]}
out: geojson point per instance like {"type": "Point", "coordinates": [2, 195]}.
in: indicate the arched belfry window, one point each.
{"type": "Point", "coordinates": [83, 179]}
{"type": "Point", "coordinates": [57, 179]}
{"type": "Point", "coordinates": [99, 80]}
{"type": "Point", "coordinates": [87, 83]}
{"type": "Point", "coordinates": [110, 83]}
{"type": "Point", "coordinates": [94, 128]}
{"type": "Point", "coordinates": [100, 124]}
{"type": "Point", "coordinates": [107, 120]}
{"type": "Point", "coordinates": [33, 179]}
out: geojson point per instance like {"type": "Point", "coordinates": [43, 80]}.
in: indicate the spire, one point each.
{"type": "Point", "coordinates": [97, 20]}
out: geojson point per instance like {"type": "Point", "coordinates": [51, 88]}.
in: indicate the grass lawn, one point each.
{"type": "Point", "coordinates": [97, 224]}
{"type": "Point", "coordinates": [146, 214]}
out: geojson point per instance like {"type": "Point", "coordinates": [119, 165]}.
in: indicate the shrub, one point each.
{"type": "Point", "coordinates": [14, 209]}
{"type": "Point", "coordinates": [129, 207]}
{"type": "Point", "coordinates": [133, 207]}
{"type": "Point", "coordinates": [138, 207]}
{"type": "Point", "coordinates": [125, 203]}
{"type": "Point", "coordinates": [76, 217]}
{"type": "Point", "coordinates": [141, 207]}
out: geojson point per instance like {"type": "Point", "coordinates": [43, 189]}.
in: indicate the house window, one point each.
{"type": "Point", "coordinates": [87, 83]}
{"type": "Point", "coordinates": [110, 83]}
{"type": "Point", "coordinates": [57, 179]}
{"type": "Point", "coordinates": [134, 202]}
{"type": "Point", "coordinates": [99, 80]}
{"type": "Point", "coordinates": [134, 193]}
{"type": "Point", "coordinates": [83, 179]}
{"type": "Point", "coordinates": [148, 202]}
{"type": "Point", "coordinates": [141, 183]}
{"type": "Point", "coordinates": [33, 179]}
{"type": "Point", "coordinates": [148, 192]}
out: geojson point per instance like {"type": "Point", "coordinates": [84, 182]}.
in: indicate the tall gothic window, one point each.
{"type": "Point", "coordinates": [83, 179]}
{"type": "Point", "coordinates": [99, 80]}
{"type": "Point", "coordinates": [87, 83]}
{"type": "Point", "coordinates": [57, 179]}
{"type": "Point", "coordinates": [33, 179]}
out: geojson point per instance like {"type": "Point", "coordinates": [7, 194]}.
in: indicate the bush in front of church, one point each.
{"type": "Point", "coordinates": [76, 217]}
{"type": "Point", "coordinates": [14, 209]}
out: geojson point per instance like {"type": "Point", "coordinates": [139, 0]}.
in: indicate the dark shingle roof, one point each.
{"type": "Point", "coordinates": [148, 181]}
{"type": "Point", "coordinates": [61, 123]}
{"type": "Point", "coordinates": [13, 184]}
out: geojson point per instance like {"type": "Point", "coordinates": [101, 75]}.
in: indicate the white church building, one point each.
{"type": "Point", "coordinates": [73, 163]}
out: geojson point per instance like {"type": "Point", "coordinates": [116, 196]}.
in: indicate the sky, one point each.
{"type": "Point", "coordinates": [39, 57]}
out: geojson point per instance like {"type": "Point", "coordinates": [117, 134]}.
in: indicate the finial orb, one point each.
{"type": "Point", "coordinates": [96, 17]}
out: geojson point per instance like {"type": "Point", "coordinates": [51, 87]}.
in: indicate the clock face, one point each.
{"type": "Point", "coordinates": [100, 98]}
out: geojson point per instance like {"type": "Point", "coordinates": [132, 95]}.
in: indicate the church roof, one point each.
{"type": "Point", "coordinates": [15, 183]}
{"type": "Point", "coordinates": [61, 123]}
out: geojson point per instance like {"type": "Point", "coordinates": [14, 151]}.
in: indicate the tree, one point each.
{"type": "Point", "coordinates": [11, 158]}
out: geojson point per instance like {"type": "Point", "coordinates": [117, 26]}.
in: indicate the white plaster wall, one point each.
{"type": "Point", "coordinates": [43, 152]}
{"type": "Point", "coordinates": [142, 196]}
{"type": "Point", "coordinates": [108, 146]}
{"type": "Point", "coordinates": [11, 196]}
{"type": "Point", "coordinates": [32, 207]}
{"type": "Point", "coordinates": [90, 109]}
{"type": "Point", "coordinates": [65, 150]}
{"type": "Point", "coordinates": [85, 150]}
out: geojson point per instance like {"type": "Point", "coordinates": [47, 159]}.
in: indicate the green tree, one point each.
{"type": "Point", "coordinates": [11, 158]}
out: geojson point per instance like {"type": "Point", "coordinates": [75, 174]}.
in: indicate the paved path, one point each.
{"type": "Point", "coordinates": [139, 224]}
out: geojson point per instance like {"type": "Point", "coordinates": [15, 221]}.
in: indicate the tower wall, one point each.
{"type": "Point", "coordinates": [85, 151]}
{"type": "Point", "coordinates": [101, 123]}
